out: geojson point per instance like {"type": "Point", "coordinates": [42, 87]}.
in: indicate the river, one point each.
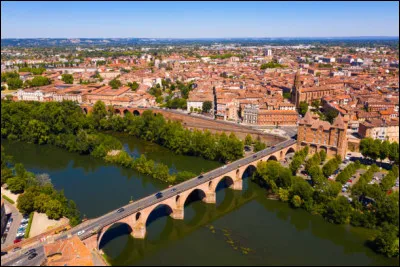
{"type": "Point", "coordinates": [243, 228]}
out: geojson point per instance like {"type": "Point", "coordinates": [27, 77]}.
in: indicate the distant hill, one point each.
{"type": "Point", "coordinates": [44, 42]}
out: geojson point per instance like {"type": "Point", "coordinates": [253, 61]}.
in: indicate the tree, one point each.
{"type": "Point", "coordinates": [387, 242]}
{"type": "Point", "coordinates": [248, 140]}
{"type": "Point", "coordinates": [303, 108]}
{"type": "Point", "coordinates": [322, 155]}
{"type": "Point", "coordinates": [67, 78]}
{"type": "Point", "coordinates": [207, 105]}
{"type": "Point", "coordinates": [37, 132]}
{"type": "Point", "coordinates": [338, 211]}
{"type": "Point", "coordinates": [394, 152]}
{"type": "Point", "coordinates": [115, 83]}
{"type": "Point", "coordinates": [283, 194]}
{"type": "Point", "coordinates": [14, 83]}
{"type": "Point", "coordinates": [99, 112]}
{"type": "Point", "coordinates": [296, 201]}
{"type": "Point", "coordinates": [38, 81]}
{"type": "Point", "coordinates": [54, 209]}
{"type": "Point", "coordinates": [134, 86]}
{"type": "Point", "coordinates": [25, 203]}
{"type": "Point", "coordinates": [331, 114]}
{"type": "Point", "coordinates": [384, 150]}
{"type": "Point", "coordinates": [258, 146]}
{"type": "Point", "coordinates": [16, 184]}
{"type": "Point", "coordinates": [316, 103]}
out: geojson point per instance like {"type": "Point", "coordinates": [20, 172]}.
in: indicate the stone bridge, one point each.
{"type": "Point", "coordinates": [173, 201]}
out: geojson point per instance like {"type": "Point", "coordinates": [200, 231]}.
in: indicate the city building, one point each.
{"type": "Point", "coordinates": [321, 135]}
{"type": "Point", "coordinates": [380, 129]}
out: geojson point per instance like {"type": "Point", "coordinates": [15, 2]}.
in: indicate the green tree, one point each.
{"type": "Point", "coordinates": [258, 146]}
{"type": "Point", "coordinates": [16, 184]}
{"type": "Point", "coordinates": [338, 211]}
{"type": "Point", "coordinates": [133, 85]}
{"type": "Point", "coordinates": [25, 203]}
{"type": "Point", "coordinates": [207, 105]}
{"type": "Point", "coordinates": [67, 78]}
{"type": "Point", "coordinates": [316, 103]}
{"type": "Point", "coordinates": [322, 155]}
{"type": "Point", "coordinates": [284, 194]}
{"type": "Point", "coordinates": [115, 83]}
{"type": "Point", "coordinates": [387, 241]}
{"type": "Point", "coordinates": [296, 201]}
{"type": "Point", "coordinates": [303, 108]}
{"type": "Point", "coordinates": [331, 114]}
{"type": "Point", "coordinates": [248, 140]}
{"type": "Point", "coordinates": [14, 83]}
{"type": "Point", "coordinates": [384, 149]}
{"type": "Point", "coordinates": [38, 81]}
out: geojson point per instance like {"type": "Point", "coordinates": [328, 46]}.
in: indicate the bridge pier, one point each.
{"type": "Point", "coordinates": [139, 231]}
{"type": "Point", "coordinates": [237, 185]}
{"type": "Point", "coordinates": [211, 198]}
{"type": "Point", "coordinates": [178, 213]}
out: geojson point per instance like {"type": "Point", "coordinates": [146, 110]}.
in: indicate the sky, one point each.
{"type": "Point", "coordinates": [115, 19]}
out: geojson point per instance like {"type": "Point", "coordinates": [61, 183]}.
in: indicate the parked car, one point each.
{"type": "Point", "coordinates": [3, 238]}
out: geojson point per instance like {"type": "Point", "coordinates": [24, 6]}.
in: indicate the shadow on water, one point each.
{"type": "Point", "coordinates": [114, 232]}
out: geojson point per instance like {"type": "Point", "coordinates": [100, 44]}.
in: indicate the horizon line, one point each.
{"type": "Point", "coordinates": [352, 36]}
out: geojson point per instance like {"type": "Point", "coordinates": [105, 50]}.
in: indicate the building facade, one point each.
{"type": "Point", "coordinates": [321, 135]}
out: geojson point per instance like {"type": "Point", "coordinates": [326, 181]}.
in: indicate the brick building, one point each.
{"type": "Point", "coordinates": [321, 135]}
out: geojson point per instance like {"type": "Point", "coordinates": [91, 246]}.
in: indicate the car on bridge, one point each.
{"type": "Point", "coordinates": [255, 156]}
{"type": "Point", "coordinates": [81, 232]}
{"type": "Point", "coordinates": [200, 176]}
{"type": "Point", "coordinates": [32, 256]}
{"type": "Point", "coordinates": [30, 251]}
{"type": "Point", "coordinates": [120, 210]}
{"type": "Point", "coordinates": [159, 195]}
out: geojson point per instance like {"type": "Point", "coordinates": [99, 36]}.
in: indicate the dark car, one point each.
{"type": "Point", "coordinates": [3, 253]}
{"type": "Point", "coordinates": [254, 156]}
{"type": "Point", "coordinates": [120, 210]}
{"type": "Point", "coordinates": [173, 189]}
{"type": "Point", "coordinates": [159, 195]}
{"type": "Point", "coordinates": [201, 176]}
{"type": "Point", "coordinates": [30, 251]}
{"type": "Point", "coordinates": [272, 147]}
{"type": "Point", "coordinates": [32, 256]}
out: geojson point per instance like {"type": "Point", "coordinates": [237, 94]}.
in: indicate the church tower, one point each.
{"type": "Point", "coordinates": [296, 88]}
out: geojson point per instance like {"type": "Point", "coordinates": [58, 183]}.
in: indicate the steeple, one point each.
{"type": "Point", "coordinates": [338, 122]}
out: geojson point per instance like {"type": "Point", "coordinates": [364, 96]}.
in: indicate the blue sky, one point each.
{"type": "Point", "coordinates": [197, 19]}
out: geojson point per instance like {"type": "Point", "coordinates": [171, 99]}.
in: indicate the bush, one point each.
{"type": "Point", "coordinates": [28, 228]}
{"type": "Point", "coordinates": [8, 199]}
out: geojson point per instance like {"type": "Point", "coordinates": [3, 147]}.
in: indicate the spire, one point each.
{"type": "Point", "coordinates": [307, 118]}
{"type": "Point", "coordinates": [338, 122]}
